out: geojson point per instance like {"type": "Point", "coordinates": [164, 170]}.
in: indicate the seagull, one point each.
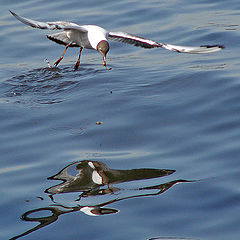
{"type": "Point", "coordinates": [95, 37]}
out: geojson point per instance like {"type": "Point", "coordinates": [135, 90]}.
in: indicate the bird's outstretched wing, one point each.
{"type": "Point", "coordinates": [147, 43]}
{"type": "Point", "coordinates": [49, 25]}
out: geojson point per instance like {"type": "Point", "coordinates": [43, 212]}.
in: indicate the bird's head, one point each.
{"type": "Point", "coordinates": [103, 48]}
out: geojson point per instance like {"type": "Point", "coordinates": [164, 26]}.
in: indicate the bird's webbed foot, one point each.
{"type": "Point", "coordinates": [105, 65]}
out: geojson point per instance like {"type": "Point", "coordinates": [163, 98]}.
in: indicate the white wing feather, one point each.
{"type": "Point", "coordinates": [194, 50]}
{"type": "Point", "coordinates": [132, 39]}
{"type": "Point", "coordinates": [49, 25]}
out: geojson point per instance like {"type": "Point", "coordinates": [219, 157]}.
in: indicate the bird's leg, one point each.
{"type": "Point", "coordinates": [78, 61]}
{"type": "Point", "coordinates": [60, 59]}
{"type": "Point", "coordinates": [105, 64]}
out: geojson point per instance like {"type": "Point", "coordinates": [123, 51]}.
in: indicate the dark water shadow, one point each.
{"type": "Point", "coordinates": [94, 178]}
{"type": "Point", "coordinates": [45, 85]}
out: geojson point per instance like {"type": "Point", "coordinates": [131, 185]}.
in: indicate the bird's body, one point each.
{"type": "Point", "coordinates": [87, 39]}
{"type": "Point", "coordinates": [95, 37]}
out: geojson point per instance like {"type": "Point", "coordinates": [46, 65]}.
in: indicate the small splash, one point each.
{"type": "Point", "coordinates": [48, 63]}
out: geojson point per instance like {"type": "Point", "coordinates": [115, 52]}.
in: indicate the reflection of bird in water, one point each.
{"type": "Point", "coordinates": [90, 177]}
{"type": "Point", "coordinates": [95, 37]}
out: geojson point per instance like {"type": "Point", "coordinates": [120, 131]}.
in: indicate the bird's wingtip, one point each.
{"type": "Point", "coordinates": [14, 14]}
{"type": "Point", "coordinates": [220, 46]}
{"type": "Point", "coordinates": [214, 46]}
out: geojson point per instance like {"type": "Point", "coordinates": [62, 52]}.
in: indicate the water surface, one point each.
{"type": "Point", "coordinates": [149, 149]}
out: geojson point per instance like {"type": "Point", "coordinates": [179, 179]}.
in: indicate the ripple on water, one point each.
{"type": "Point", "coordinates": [45, 85]}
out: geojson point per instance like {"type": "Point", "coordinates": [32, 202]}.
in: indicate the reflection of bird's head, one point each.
{"type": "Point", "coordinates": [98, 211]}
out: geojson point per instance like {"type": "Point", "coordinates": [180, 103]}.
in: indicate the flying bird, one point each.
{"type": "Point", "coordinates": [95, 37]}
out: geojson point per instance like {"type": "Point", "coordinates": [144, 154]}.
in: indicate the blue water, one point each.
{"type": "Point", "coordinates": [150, 148]}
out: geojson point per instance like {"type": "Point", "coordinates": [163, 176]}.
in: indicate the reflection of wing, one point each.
{"type": "Point", "coordinates": [147, 43]}
{"type": "Point", "coordinates": [90, 176]}
{"type": "Point", "coordinates": [49, 25]}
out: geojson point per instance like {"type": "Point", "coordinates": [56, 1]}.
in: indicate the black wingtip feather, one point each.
{"type": "Point", "coordinates": [212, 46]}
